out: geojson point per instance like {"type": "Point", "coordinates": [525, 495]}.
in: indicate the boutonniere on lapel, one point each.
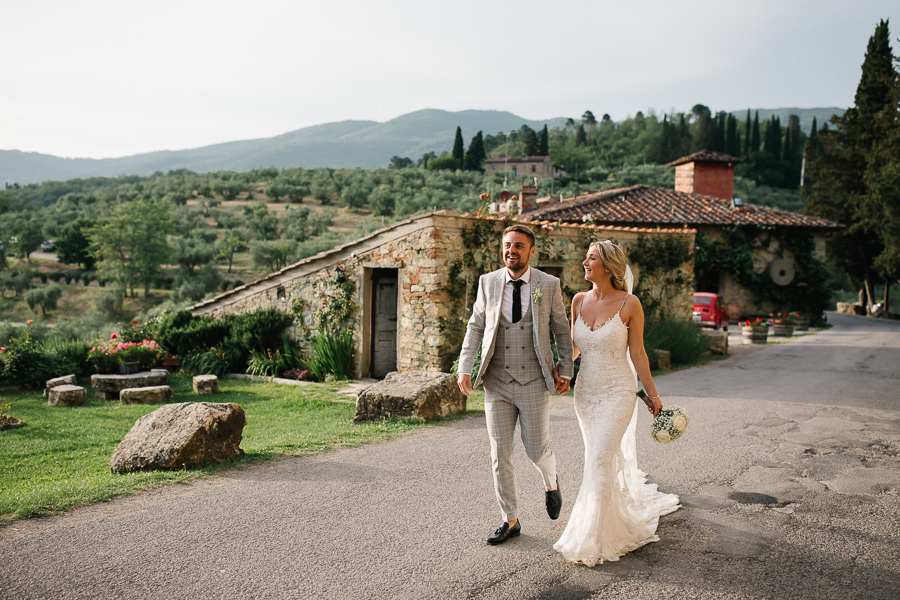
{"type": "Point", "coordinates": [536, 295]}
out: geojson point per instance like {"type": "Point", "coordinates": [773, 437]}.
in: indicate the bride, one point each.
{"type": "Point", "coordinates": [616, 510]}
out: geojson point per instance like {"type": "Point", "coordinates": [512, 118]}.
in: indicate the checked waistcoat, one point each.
{"type": "Point", "coordinates": [514, 357]}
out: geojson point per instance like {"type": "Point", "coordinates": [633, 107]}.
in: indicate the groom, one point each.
{"type": "Point", "coordinates": [516, 311]}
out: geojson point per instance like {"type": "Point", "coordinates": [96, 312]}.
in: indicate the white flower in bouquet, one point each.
{"type": "Point", "coordinates": [669, 424]}
{"type": "Point", "coordinates": [679, 422]}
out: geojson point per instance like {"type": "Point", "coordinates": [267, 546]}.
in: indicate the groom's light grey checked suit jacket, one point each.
{"type": "Point", "coordinates": [548, 314]}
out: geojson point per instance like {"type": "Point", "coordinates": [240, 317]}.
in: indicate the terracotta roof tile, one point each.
{"type": "Point", "coordinates": [646, 206]}
{"type": "Point", "coordinates": [705, 156]}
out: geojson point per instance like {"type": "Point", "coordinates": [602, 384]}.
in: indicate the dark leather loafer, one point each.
{"type": "Point", "coordinates": [554, 502]}
{"type": "Point", "coordinates": [504, 532]}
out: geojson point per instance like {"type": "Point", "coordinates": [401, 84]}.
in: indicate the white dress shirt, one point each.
{"type": "Point", "coordinates": [525, 292]}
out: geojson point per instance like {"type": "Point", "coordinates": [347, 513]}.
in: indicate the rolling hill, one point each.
{"type": "Point", "coordinates": [366, 144]}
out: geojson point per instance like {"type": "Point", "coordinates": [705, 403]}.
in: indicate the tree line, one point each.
{"type": "Point", "coordinates": [854, 175]}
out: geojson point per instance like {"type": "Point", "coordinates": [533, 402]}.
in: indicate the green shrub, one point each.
{"type": "Point", "coordinates": [180, 333]}
{"type": "Point", "coordinates": [69, 357]}
{"type": "Point", "coordinates": [213, 361]}
{"type": "Point", "coordinates": [273, 363]}
{"type": "Point", "coordinates": [332, 355]}
{"type": "Point", "coordinates": [683, 339]}
{"type": "Point", "coordinates": [26, 362]}
{"type": "Point", "coordinates": [257, 331]}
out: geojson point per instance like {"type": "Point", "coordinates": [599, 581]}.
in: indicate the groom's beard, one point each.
{"type": "Point", "coordinates": [516, 265]}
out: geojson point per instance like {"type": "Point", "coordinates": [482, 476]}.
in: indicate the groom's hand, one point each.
{"type": "Point", "coordinates": [465, 384]}
{"type": "Point", "coordinates": [561, 383]}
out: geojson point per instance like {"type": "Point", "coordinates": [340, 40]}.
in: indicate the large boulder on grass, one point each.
{"type": "Point", "coordinates": [178, 436]}
{"type": "Point", "coordinates": [420, 395]}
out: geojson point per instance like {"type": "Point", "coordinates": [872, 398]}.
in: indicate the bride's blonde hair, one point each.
{"type": "Point", "coordinates": [614, 259]}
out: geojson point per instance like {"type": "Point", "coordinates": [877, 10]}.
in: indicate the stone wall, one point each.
{"type": "Point", "coordinates": [423, 250]}
{"type": "Point", "coordinates": [738, 299]}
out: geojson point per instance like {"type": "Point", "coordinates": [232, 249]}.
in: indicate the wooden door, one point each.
{"type": "Point", "coordinates": [384, 322]}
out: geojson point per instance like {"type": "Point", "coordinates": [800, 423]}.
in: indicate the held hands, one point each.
{"type": "Point", "coordinates": [562, 384]}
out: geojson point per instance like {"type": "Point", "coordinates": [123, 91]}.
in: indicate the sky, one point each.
{"type": "Point", "coordinates": [102, 79]}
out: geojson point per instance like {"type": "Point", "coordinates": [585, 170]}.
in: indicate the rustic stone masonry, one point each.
{"type": "Point", "coordinates": [422, 250]}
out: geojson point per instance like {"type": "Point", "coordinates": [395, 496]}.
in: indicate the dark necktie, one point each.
{"type": "Point", "coordinates": [517, 300]}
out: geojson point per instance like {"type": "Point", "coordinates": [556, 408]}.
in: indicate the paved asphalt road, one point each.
{"type": "Point", "coordinates": [789, 478]}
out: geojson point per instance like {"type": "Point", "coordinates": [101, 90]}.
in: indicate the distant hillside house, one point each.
{"type": "Point", "coordinates": [539, 166]}
{"type": "Point", "coordinates": [412, 297]}
{"type": "Point", "coordinates": [702, 200]}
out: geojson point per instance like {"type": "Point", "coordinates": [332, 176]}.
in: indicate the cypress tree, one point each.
{"type": "Point", "coordinates": [754, 135]}
{"type": "Point", "coordinates": [475, 155]}
{"type": "Point", "coordinates": [732, 138]}
{"type": "Point", "coordinates": [855, 172]}
{"type": "Point", "coordinates": [544, 149]}
{"type": "Point", "coordinates": [747, 126]}
{"type": "Point", "coordinates": [705, 136]}
{"type": "Point", "coordinates": [719, 140]}
{"type": "Point", "coordinates": [684, 137]}
{"type": "Point", "coordinates": [458, 152]}
{"type": "Point", "coordinates": [580, 135]}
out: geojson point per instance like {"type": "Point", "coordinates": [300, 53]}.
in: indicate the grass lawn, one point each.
{"type": "Point", "coordinates": [60, 458]}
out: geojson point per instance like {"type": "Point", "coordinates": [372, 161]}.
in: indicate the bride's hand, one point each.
{"type": "Point", "coordinates": [657, 406]}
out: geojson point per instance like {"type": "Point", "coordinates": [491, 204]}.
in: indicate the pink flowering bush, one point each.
{"type": "Point", "coordinates": [108, 355]}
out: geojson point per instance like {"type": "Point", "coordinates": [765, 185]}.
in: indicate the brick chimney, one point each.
{"type": "Point", "coordinates": [707, 173]}
{"type": "Point", "coordinates": [528, 198]}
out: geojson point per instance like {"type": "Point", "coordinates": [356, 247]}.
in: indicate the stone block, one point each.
{"type": "Point", "coordinates": [206, 384]}
{"type": "Point", "coordinates": [107, 387]}
{"type": "Point", "coordinates": [183, 435]}
{"type": "Point", "coordinates": [848, 308]}
{"type": "Point", "coordinates": [718, 341]}
{"type": "Point", "coordinates": [64, 380]}
{"type": "Point", "coordinates": [663, 360]}
{"type": "Point", "coordinates": [419, 395]}
{"type": "Point", "coordinates": [66, 395]}
{"type": "Point", "coordinates": [155, 394]}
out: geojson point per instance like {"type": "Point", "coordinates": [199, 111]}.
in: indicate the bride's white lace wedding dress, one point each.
{"type": "Point", "coordinates": [616, 510]}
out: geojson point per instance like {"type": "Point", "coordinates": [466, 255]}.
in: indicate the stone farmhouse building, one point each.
{"type": "Point", "coordinates": [413, 292]}
{"type": "Point", "coordinates": [539, 166]}
{"type": "Point", "coordinates": [703, 201]}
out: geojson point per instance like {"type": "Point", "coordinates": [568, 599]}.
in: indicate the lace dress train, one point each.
{"type": "Point", "coordinates": [616, 510]}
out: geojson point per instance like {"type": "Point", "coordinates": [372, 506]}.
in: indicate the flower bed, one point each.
{"type": "Point", "coordinates": [106, 357]}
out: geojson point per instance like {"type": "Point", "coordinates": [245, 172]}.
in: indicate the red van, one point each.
{"type": "Point", "coordinates": [709, 310]}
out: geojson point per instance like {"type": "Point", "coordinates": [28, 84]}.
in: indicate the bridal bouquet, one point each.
{"type": "Point", "coordinates": [669, 424]}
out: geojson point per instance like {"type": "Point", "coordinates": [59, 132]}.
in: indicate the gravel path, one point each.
{"type": "Point", "coordinates": [789, 476]}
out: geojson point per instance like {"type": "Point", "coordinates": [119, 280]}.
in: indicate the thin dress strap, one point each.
{"type": "Point", "coordinates": [623, 303]}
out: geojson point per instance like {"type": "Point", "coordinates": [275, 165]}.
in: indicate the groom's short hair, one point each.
{"type": "Point", "coordinates": [521, 229]}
